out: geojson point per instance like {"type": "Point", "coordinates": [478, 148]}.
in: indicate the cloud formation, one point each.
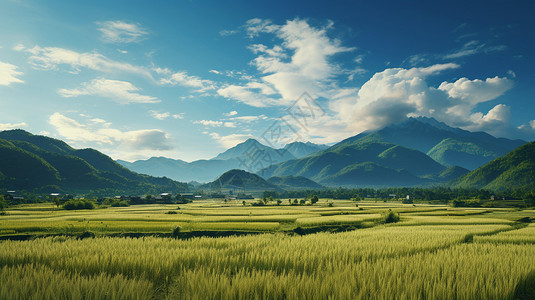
{"type": "Point", "coordinates": [301, 62]}
{"type": "Point", "coordinates": [302, 58]}
{"type": "Point", "coordinates": [50, 58]}
{"type": "Point", "coordinates": [131, 143]}
{"type": "Point", "coordinates": [165, 115]}
{"type": "Point", "coordinates": [121, 32]}
{"type": "Point", "coordinates": [393, 94]}
{"type": "Point", "coordinates": [9, 126]}
{"type": "Point", "coordinates": [9, 74]}
{"type": "Point", "coordinates": [183, 79]}
{"type": "Point", "coordinates": [120, 91]}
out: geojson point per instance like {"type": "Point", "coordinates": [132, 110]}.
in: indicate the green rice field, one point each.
{"type": "Point", "coordinates": [275, 252]}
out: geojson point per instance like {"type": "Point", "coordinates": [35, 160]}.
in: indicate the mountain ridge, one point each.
{"type": "Point", "coordinates": [515, 170]}
{"type": "Point", "coordinates": [43, 164]}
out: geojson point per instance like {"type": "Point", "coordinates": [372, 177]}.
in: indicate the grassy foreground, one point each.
{"type": "Point", "coordinates": [432, 253]}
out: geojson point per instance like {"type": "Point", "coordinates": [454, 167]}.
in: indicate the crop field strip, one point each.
{"type": "Point", "coordinates": [156, 218]}
{"type": "Point", "coordinates": [380, 262]}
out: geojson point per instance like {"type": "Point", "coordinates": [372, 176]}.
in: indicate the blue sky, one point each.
{"type": "Point", "coordinates": [188, 79]}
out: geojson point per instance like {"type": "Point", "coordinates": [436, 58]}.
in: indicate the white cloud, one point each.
{"type": "Point", "coordinates": [474, 47]}
{"type": "Point", "coordinates": [476, 91]}
{"type": "Point", "coordinates": [301, 62]}
{"type": "Point", "coordinates": [97, 120]}
{"type": "Point", "coordinates": [210, 123]}
{"type": "Point", "coordinates": [249, 119]}
{"type": "Point", "coordinates": [9, 126]}
{"type": "Point", "coordinates": [165, 115]}
{"type": "Point", "coordinates": [49, 58]}
{"type": "Point", "coordinates": [9, 74]}
{"type": "Point", "coordinates": [160, 116]}
{"type": "Point", "coordinates": [228, 141]}
{"type": "Point", "coordinates": [121, 32]}
{"type": "Point", "coordinates": [74, 131]}
{"type": "Point", "coordinates": [247, 96]}
{"type": "Point", "coordinates": [215, 72]}
{"type": "Point", "coordinates": [120, 91]}
{"type": "Point", "coordinates": [183, 79]}
{"type": "Point", "coordinates": [254, 27]}
{"type": "Point", "coordinates": [228, 32]}
{"type": "Point", "coordinates": [495, 121]}
{"type": "Point", "coordinates": [230, 114]}
{"type": "Point", "coordinates": [393, 94]}
{"type": "Point", "coordinates": [19, 47]}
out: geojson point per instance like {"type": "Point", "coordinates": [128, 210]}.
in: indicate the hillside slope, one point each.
{"type": "Point", "coordinates": [43, 164]}
{"type": "Point", "coordinates": [361, 163]}
{"type": "Point", "coordinates": [240, 180]}
{"type": "Point", "coordinates": [515, 170]}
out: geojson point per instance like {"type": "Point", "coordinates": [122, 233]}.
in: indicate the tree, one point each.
{"type": "Point", "coordinates": [56, 201]}
{"type": "Point", "coordinates": [3, 203]}
{"type": "Point", "coordinates": [391, 217]}
{"type": "Point", "coordinates": [314, 199]}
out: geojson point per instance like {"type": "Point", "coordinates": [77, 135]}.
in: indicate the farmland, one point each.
{"type": "Point", "coordinates": [336, 250]}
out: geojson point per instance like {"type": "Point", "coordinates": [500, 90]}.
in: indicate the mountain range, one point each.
{"type": "Point", "coordinates": [43, 164]}
{"type": "Point", "coordinates": [249, 155]}
{"type": "Point", "coordinates": [417, 151]}
{"type": "Point", "coordinates": [446, 145]}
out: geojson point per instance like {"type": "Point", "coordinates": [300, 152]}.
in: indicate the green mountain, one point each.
{"type": "Point", "coordinates": [451, 173]}
{"type": "Point", "coordinates": [294, 182]}
{"type": "Point", "coordinates": [250, 155]}
{"type": "Point", "coordinates": [469, 154]}
{"type": "Point", "coordinates": [43, 164]}
{"type": "Point", "coordinates": [371, 174]}
{"type": "Point", "coordinates": [240, 180]}
{"type": "Point", "coordinates": [300, 149]}
{"type": "Point", "coordinates": [515, 170]}
{"type": "Point", "coordinates": [447, 145]}
{"type": "Point", "coordinates": [355, 162]}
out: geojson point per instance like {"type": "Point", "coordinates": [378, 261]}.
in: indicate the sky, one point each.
{"type": "Point", "coordinates": [189, 79]}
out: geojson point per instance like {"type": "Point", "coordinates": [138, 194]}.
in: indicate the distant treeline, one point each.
{"type": "Point", "coordinates": [441, 194]}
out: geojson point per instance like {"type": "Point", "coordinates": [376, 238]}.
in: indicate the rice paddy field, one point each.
{"type": "Point", "coordinates": [275, 252]}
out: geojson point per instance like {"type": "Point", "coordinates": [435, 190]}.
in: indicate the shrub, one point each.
{"type": "Point", "coordinates": [79, 204]}
{"type": "Point", "coordinates": [171, 212]}
{"type": "Point", "coordinates": [259, 203]}
{"type": "Point", "coordinates": [406, 201]}
{"type": "Point", "coordinates": [87, 234]}
{"type": "Point", "coordinates": [391, 217]}
{"type": "Point", "coordinates": [115, 202]}
{"type": "Point", "coordinates": [176, 232]}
